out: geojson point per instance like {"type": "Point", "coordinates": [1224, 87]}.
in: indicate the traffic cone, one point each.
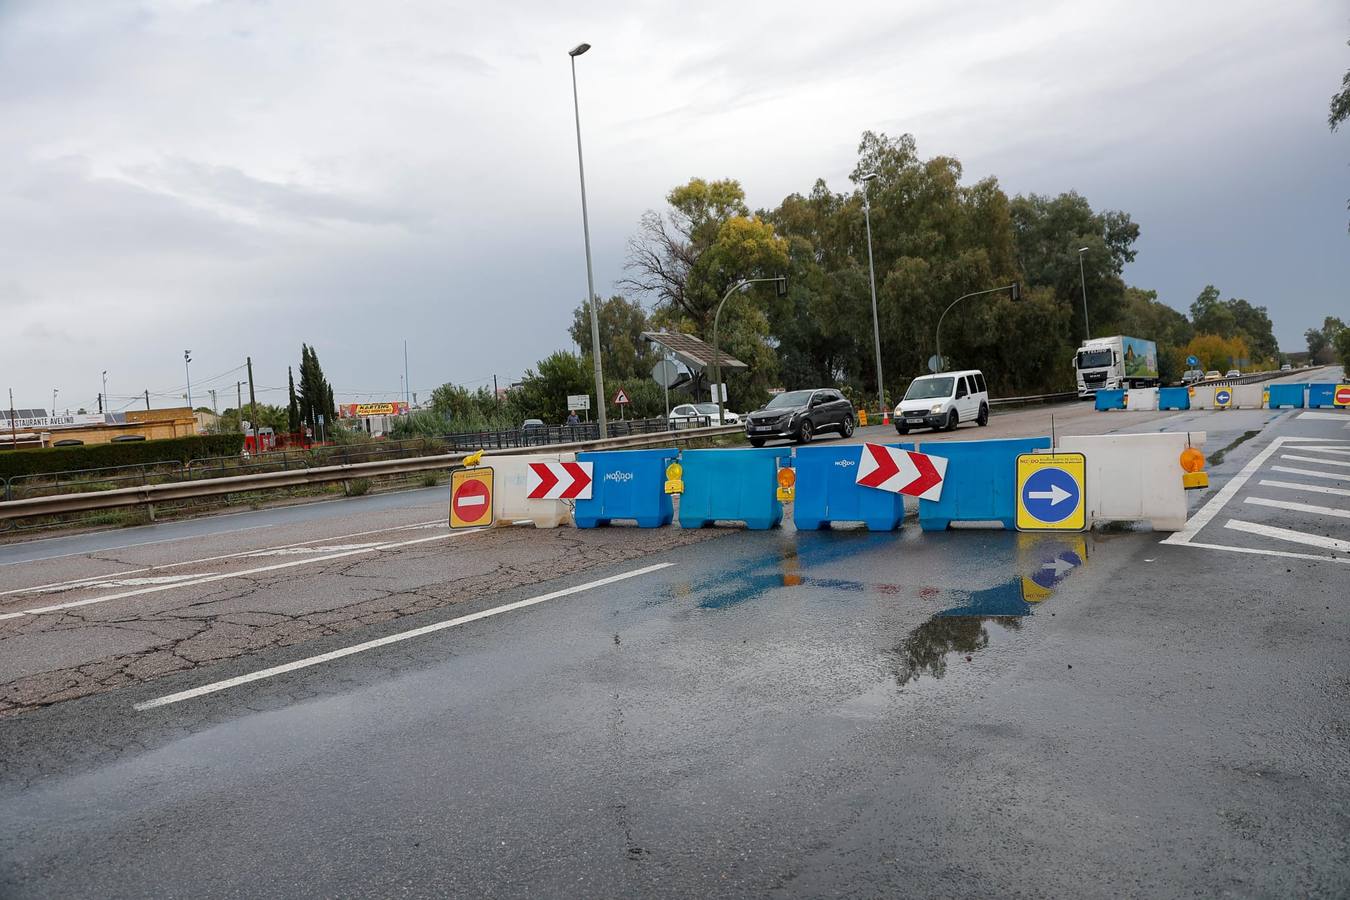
{"type": "Point", "coordinates": [885, 417]}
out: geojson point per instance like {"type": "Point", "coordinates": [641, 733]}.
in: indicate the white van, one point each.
{"type": "Point", "coordinates": [944, 400]}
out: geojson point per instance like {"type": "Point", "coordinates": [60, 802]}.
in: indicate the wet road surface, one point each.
{"type": "Point", "coordinates": [834, 713]}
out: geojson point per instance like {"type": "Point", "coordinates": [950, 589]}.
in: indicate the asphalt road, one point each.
{"type": "Point", "coordinates": [712, 713]}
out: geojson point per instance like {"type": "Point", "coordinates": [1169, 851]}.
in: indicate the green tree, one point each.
{"type": "Point", "coordinates": [293, 406]}
{"type": "Point", "coordinates": [1343, 347]}
{"type": "Point", "coordinates": [315, 397]}
{"type": "Point", "coordinates": [1322, 342]}
{"type": "Point", "coordinates": [542, 392]}
{"type": "Point", "coordinates": [1340, 106]}
{"type": "Point", "coordinates": [621, 322]}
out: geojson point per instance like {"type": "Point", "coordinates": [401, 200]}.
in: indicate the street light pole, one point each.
{"type": "Point", "coordinates": [107, 401]}
{"type": "Point", "coordinates": [872, 279]}
{"type": "Point", "coordinates": [717, 354]}
{"type": "Point", "coordinates": [1016, 289]}
{"type": "Point", "coordinates": [586, 233]}
{"type": "Point", "coordinates": [1082, 280]}
{"type": "Point", "coordinates": [187, 358]}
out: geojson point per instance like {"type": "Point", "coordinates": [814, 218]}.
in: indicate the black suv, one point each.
{"type": "Point", "coordinates": [798, 415]}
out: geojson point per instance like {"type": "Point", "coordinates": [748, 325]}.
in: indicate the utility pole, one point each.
{"type": "Point", "coordinates": [53, 409]}
{"type": "Point", "coordinates": [496, 397]}
{"type": "Point", "coordinates": [1082, 280]}
{"type": "Point", "coordinates": [213, 404]}
{"type": "Point", "coordinates": [13, 423]}
{"type": "Point", "coordinates": [147, 399]}
{"type": "Point", "coordinates": [187, 358]}
{"type": "Point", "coordinates": [100, 404]}
{"type": "Point", "coordinates": [407, 385]}
{"type": "Point", "coordinates": [586, 235]}
{"type": "Point", "coordinates": [252, 405]}
{"type": "Point", "coordinates": [105, 391]}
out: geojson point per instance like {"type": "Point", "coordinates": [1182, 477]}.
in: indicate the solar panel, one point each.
{"type": "Point", "coordinates": [690, 350]}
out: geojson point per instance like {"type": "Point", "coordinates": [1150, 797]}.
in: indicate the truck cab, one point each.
{"type": "Point", "coordinates": [1110, 363]}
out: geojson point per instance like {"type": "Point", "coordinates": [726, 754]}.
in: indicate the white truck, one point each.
{"type": "Point", "coordinates": [1115, 362]}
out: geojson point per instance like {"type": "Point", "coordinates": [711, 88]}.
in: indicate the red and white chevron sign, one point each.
{"type": "Point", "coordinates": [901, 471]}
{"type": "Point", "coordinates": [558, 481]}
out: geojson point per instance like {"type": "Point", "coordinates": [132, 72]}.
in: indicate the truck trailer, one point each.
{"type": "Point", "coordinates": [1115, 362]}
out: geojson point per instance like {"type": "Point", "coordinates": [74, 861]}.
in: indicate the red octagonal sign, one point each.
{"type": "Point", "coordinates": [1343, 395]}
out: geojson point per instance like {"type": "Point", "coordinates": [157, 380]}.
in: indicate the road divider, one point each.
{"type": "Point", "coordinates": [732, 485]}
{"type": "Point", "coordinates": [1114, 399]}
{"type": "Point", "coordinates": [1142, 399]}
{"type": "Point", "coordinates": [1282, 395]}
{"type": "Point", "coordinates": [1135, 477]}
{"type": "Point", "coordinates": [512, 487]}
{"type": "Point", "coordinates": [829, 490]}
{"type": "Point", "coordinates": [627, 485]}
{"type": "Point", "coordinates": [980, 483]}
{"type": "Point", "coordinates": [1174, 398]}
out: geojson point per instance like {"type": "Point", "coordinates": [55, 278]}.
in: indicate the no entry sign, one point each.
{"type": "Point", "coordinates": [470, 498]}
{"type": "Point", "coordinates": [1342, 395]}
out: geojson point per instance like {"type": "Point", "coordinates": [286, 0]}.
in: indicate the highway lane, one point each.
{"type": "Point", "coordinates": [807, 713]}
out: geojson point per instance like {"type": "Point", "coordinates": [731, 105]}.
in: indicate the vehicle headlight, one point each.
{"type": "Point", "coordinates": [937, 408]}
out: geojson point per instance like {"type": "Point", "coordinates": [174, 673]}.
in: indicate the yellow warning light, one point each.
{"type": "Point", "coordinates": [674, 471]}
{"type": "Point", "coordinates": [473, 459]}
{"type": "Point", "coordinates": [787, 477]}
{"type": "Point", "coordinates": [1192, 460]}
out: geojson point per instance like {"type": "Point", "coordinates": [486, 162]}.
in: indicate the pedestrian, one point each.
{"type": "Point", "coordinates": [572, 417]}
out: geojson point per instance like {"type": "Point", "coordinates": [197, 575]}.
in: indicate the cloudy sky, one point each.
{"type": "Point", "coordinates": [237, 177]}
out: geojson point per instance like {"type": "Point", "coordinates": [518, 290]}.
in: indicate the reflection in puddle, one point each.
{"type": "Point", "coordinates": [929, 647]}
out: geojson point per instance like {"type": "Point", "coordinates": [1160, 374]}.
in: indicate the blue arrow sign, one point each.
{"type": "Point", "coordinates": [1222, 398]}
{"type": "Point", "coordinates": [1192, 361]}
{"type": "Point", "coordinates": [1054, 568]}
{"type": "Point", "coordinates": [1050, 495]}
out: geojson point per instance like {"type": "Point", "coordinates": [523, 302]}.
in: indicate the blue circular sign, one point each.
{"type": "Point", "coordinates": [1192, 361]}
{"type": "Point", "coordinates": [1050, 495]}
{"type": "Point", "coordinates": [1222, 398]}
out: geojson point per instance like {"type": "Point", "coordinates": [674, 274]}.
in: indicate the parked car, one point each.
{"type": "Point", "coordinates": [1213, 375]}
{"type": "Point", "coordinates": [695, 413]}
{"type": "Point", "coordinates": [1191, 376]}
{"type": "Point", "coordinates": [1233, 373]}
{"type": "Point", "coordinates": [944, 400]}
{"type": "Point", "coordinates": [799, 415]}
{"type": "Point", "coordinates": [1286, 368]}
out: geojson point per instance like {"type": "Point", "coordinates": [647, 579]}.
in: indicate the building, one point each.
{"type": "Point", "coordinates": [31, 428]}
{"type": "Point", "coordinates": [373, 418]}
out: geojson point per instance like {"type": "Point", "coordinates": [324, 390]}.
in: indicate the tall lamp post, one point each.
{"type": "Point", "coordinates": [781, 281]}
{"type": "Point", "coordinates": [1015, 288]}
{"type": "Point", "coordinates": [586, 233]}
{"type": "Point", "coordinates": [107, 401]}
{"type": "Point", "coordinates": [1082, 281]}
{"type": "Point", "coordinates": [872, 279]}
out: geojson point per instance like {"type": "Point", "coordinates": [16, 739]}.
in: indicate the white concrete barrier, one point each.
{"type": "Point", "coordinates": [1202, 396]}
{"type": "Point", "coordinates": [1141, 398]}
{"type": "Point", "coordinates": [509, 503]}
{"type": "Point", "coordinates": [1135, 477]}
{"type": "Point", "coordinates": [1249, 396]}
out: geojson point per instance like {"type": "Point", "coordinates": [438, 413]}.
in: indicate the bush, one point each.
{"type": "Point", "coordinates": [129, 453]}
{"type": "Point", "coordinates": [356, 487]}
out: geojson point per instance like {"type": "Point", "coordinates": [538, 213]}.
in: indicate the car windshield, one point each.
{"type": "Point", "coordinates": [707, 409]}
{"type": "Point", "coordinates": [929, 388]}
{"type": "Point", "coordinates": [1094, 359]}
{"type": "Point", "coordinates": [790, 399]}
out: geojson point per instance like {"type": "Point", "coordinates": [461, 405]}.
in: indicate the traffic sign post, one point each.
{"type": "Point", "coordinates": [1192, 361]}
{"type": "Point", "coordinates": [1051, 492]}
{"type": "Point", "coordinates": [558, 481]}
{"type": "Point", "coordinates": [1223, 398]}
{"type": "Point", "coordinates": [1341, 396]}
{"type": "Point", "coordinates": [471, 498]}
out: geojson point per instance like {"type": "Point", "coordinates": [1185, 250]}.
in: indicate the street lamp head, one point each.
{"type": "Point", "coordinates": [1082, 249]}
{"type": "Point", "coordinates": [869, 176]}
{"type": "Point", "coordinates": [578, 50]}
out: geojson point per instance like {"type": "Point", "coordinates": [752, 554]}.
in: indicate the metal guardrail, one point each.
{"type": "Point", "coordinates": [1035, 398]}
{"type": "Point", "coordinates": [148, 495]}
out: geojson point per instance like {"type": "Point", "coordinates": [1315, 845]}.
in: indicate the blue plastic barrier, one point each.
{"type": "Point", "coordinates": [1110, 400]}
{"type": "Point", "coordinates": [627, 484]}
{"type": "Point", "coordinates": [738, 485]}
{"type": "Point", "coordinates": [1174, 398]}
{"type": "Point", "coordinates": [1285, 395]}
{"type": "Point", "coordinates": [980, 484]}
{"type": "Point", "coordinates": [1320, 395]}
{"type": "Point", "coordinates": [827, 491]}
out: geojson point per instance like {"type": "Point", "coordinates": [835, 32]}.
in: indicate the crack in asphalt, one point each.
{"type": "Point", "coordinates": [249, 613]}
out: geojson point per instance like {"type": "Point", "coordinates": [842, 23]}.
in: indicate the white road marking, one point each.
{"type": "Point", "coordinates": [1337, 417]}
{"type": "Point", "coordinates": [85, 582]}
{"type": "Point", "coordinates": [1312, 448]}
{"type": "Point", "coordinates": [1283, 554]}
{"type": "Point", "coordinates": [1333, 476]}
{"type": "Point", "coordinates": [1299, 507]}
{"type": "Point", "coordinates": [1289, 534]}
{"type": "Point", "coordinates": [207, 579]}
{"type": "Point", "coordinates": [1316, 488]}
{"type": "Point", "coordinates": [389, 639]}
{"type": "Point", "coordinates": [1206, 513]}
{"type": "Point", "coordinates": [1313, 459]}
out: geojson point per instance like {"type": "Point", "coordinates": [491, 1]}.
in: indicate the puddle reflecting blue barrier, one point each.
{"type": "Point", "coordinates": [1110, 400]}
{"type": "Point", "coordinates": [627, 484]}
{"type": "Point", "coordinates": [1174, 398]}
{"type": "Point", "coordinates": [1285, 395]}
{"type": "Point", "coordinates": [1321, 395]}
{"type": "Point", "coordinates": [732, 485]}
{"type": "Point", "coordinates": [980, 485]}
{"type": "Point", "coordinates": [827, 491]}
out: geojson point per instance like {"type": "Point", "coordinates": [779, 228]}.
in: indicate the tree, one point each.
{"type": "Point", "coordinates": [542, 392]}
{"type": "Point", "coordinates": [1235, 317]}
{"type": "Point", "coordinates": [1340, 106]}
{"type": "Point", "coordinates": [1216, 351]}
{"type": "Point", "coordinates": [315, 397]}
{"type": "Point", "coordinates": [622, 322]}
{"type": "Point", "coordinates": [1343, 347]}
{"type": "Point", "coordinates": [1322, 342]}
{"type": "Point", "coordinates": [293, 405]}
